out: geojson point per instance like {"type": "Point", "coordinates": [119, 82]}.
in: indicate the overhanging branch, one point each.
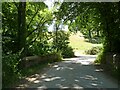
{"type": "Point", "coordinates": [32, 18]}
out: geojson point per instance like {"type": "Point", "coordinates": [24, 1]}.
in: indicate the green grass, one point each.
{"type": "Point", "coordinates": [79, 44]}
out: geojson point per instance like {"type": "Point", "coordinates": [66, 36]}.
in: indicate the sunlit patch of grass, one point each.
{"type": "Point", "coordinates": [79, 44]}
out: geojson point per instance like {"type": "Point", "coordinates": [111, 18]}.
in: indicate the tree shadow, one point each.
{"type": "Point", "coordinates": [71, 73]}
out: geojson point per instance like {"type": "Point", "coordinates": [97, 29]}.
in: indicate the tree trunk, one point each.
{"type": "Point", "coordinates": [105, 11]}
{"type": "Point", "coordinates": [22, 26]}
{"type": "Point", "coordinates": [22, 32]}
{"type": "Point", "coordinates": [56, 28]}
{"type": "Point", "coordinates": [90, 36]}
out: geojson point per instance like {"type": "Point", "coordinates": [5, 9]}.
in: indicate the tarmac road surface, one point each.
{"type": "Point", "coordinates": [77, 73]}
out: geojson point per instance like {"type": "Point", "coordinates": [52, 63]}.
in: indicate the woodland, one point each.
{"type": "Point", "coordinates": [25, 33]}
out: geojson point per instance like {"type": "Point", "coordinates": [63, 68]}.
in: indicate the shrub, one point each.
{"type": "Point", "coordinates": [94, 50]}
{"type": "Point", "coordinates": [68, 52]}
{"type": "Point", "coordinates": [39, 49]}
{"type": "Point", "coordinates": [100, 58]}
{"type": "Point", "coordinates": [10, 71]}
{"type": "Point", "coordinates": [54, 57]}
{"type": "Point", "coordinates": [61, 41]}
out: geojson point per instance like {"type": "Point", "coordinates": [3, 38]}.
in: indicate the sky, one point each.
{"type": "Point", "coordinates": [50, 4]}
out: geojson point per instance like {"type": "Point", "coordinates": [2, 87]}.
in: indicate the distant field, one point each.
{"type": "Point", "coordinates": [78, 43]}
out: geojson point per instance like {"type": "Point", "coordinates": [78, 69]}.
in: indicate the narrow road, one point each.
{"type": "Point", "coordinates": [77, 73]}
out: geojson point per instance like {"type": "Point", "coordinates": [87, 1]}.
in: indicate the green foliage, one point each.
{"type": "Point", "coordinates": [61, 41]}
{"type": "Point", "coordinates": [101, 19]}
{"type": "Point", "coordinates": [34, 35]}
{"type": "Point", "coordinates": [10, 70]}
{"type": "Point", "coordinates": [110, 16]}
{"type": "Point", "coordinates": [53, 57]}
{"type": "Point", "coordinates": [9, 27]}
{"type": "Point", "coordinates": [68, 52]}
{"type": "Point", "coordinates": [94, 50]}
{"type": "Point", "coordinates": [39, 49]}
{"type": "Point", "coordinates": [101, 57]}
{"type": "Point", "coordinates": [36, 16]}
{"type": "Point", "coordinates": [94, 20]}
{"type": "Point", "coordinates": [83, 18]}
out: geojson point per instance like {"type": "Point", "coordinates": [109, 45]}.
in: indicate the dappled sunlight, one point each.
{"type": "Point", "coordinates": [44, 76]}
{"type": "Point", "coordinates": [94, 84]}
{"type": "Point", "coordinates": [77, 73]}
{"type": "Point", "coordinates": [61, 68]}
{"type": "Point", "coordinates": [51, 79]}
{"type": "Point", "coordinates": [88, 77]}
{"type": "Point", "coordinates": [22, 86]}
{"type": "Point", "coordinates": [77, 86]}
{"type": "Point", "coordinates": [85, 63]}
{"type": "Point", "coordinates": [55, 66]}
{"type": "Point", "coordinates": [31, 79]}
{"type": "Point", "coordinates": [76, 80]}
{"type": "Point", "coordinates": [70, 59]}
{"type": "Point", "coordinates": [63, 87]}
{"type": "Point", "coordinates": [99, 70]}
{"type": "Point", "coordinates": [83, 60]}
{"type": "Point", "coordinates": [39, 35]}
{"type": "Point", "coordinates": [64, 68]}
{"type": "Point", "coordinates": [42, 87]}
{"type": "Point", "coordinates": [63, 80]}
{"type": "Point", "coordinates": [36, 81]}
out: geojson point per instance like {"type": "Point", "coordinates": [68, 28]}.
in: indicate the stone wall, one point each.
{"type": "Point", "coordinates": [112, 61]}
{"type": "Point", "coordinates": [33, 60]}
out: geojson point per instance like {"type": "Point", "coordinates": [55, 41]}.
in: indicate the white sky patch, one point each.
{"type": "Point", "coordinates": [65, 28]}
{"type": "Point", "coordinates": [49, 3]}
{"type": "Point", "coordinates": [50, 28]}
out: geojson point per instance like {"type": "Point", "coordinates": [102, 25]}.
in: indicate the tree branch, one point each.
{"type": "Point", "coordinates": [38, 26]}
{"type": "Point", "coordinates": [32, 18]}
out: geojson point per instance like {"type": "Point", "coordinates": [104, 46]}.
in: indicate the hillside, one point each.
{"type": "Point", "coordinates": [78, 43]}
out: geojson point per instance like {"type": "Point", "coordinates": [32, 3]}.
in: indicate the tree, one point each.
{"type": "Point", "coordinates": [18, 23]}
{"type": "Point", "coordinates": [22, 31]}
{"type": "Point", "coordinates": [110, 19]}
{"type": "Point", "coordinates": [82, 17]}
{"type": "Point", "coordinates": [107, 19]}
{"type": "Point", "coordinates": [106, 16]}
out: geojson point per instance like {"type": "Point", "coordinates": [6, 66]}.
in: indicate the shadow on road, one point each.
{"type": "Point", "coordinates": [77, 73]}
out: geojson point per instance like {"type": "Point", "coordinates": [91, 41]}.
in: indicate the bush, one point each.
{"type": "Point", "coordinates": [94, 50]}
{"type": "Point", "coordinates": [53, 57]}
{"type": "Point", "coordinates": [61, 41]}
{"type": "Point", "coordinates": [39, 49]}
{"type": "Point", "coordinates": [68, 52]}
{"type": "Point", "coordinates": [10, 71]}
{"type": "Point", "coordinates": [100, 58]}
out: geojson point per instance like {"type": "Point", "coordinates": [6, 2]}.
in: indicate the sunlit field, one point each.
{"type": "Point", "coordinates": [78, 43]}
